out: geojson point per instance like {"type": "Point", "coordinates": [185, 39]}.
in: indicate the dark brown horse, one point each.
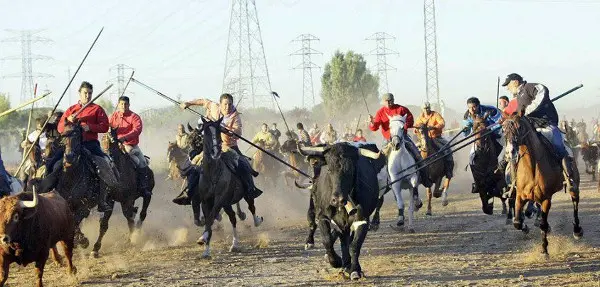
{"type": "Point", "coordinates": [538, 174]}
{"type": "Point", "coordinates": [289, 148]}
{"type": "Point", "coordinates": [436, 171]}
{"type": "Point", "coordinates": [126, 193]}
{"type": "Point", "coordinates": [589, 154]}
{"type": "Point", "coordinates": [488, 179]}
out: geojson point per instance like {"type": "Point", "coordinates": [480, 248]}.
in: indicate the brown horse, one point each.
{"type": "Point", "coordinates": [436, 171]}
{"type": "Point", "coordinates": [265, 166]}
{"type": "Point", "coordinates": [289, 148]}
{"type": "Point", "coordinates": [538, 174]}
{"type": "Point", "coordinates": [589, 154]}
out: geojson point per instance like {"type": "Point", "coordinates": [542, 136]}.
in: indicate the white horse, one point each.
{"type": "Point", "coordinates": [399, 159]}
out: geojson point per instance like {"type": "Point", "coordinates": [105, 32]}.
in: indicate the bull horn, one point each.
{"type": "Point", "coordinates": [369, 153]}
{"type": "Point", "coordinates": [312, 150]}
{"type": "Point", "coordinates": [303, 186]}
{"type": "Point", "coordinates": [189, 127]}
{"type": "Point", "coordinates": [30, 203]}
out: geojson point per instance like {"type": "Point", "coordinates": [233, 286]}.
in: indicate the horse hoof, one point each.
{"type": "Point", "coordinates": [418, 204]}
{"type": "Point", "coordinates": [444, 202]}
{"type": "Point", "coordinates": [309, 246]}
{"type": "Point", "coordinates": [428, 213]}
{"type": "Point", "coordinates": [234, 249]}
{"type": "Point", "coordinates": [242, 216]}
{"type": "Point", "coordinates": [411, 230]}
{"type": "Point", "coordinates": [355, 275]}
{"type": "Point", "coordinates": [374, 227]}
{"type": "Point", "coordinates": [201, 241]}
{"type": "Point", "coordinates": [85, 243]}
{"type": "Point", "coordinates": [95, 254]}
{"type": "Point", "coordinates": [525, 229]}
{"type": "Point", "coordinates": [578, 235]}
{"type": "Point", "coordinates": [258, 221]}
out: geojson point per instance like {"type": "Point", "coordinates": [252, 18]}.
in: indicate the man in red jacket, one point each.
{"type": "Point", "coordinates": [93, 120]}
{"type": "Point", "coordinates": [382, 121]}
{"type": "Point", "coordinates": [129, 128]}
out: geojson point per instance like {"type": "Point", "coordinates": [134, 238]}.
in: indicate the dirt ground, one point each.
{"type": "Point", "coordinates": [457, 246]}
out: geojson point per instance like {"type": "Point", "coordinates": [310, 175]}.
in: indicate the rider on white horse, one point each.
{"type": "Point", "coordinates": [381, 120]}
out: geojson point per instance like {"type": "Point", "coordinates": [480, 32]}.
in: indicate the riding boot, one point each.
{"type": "Point", "coordinates": [143, 178]}
{"type": "Point", "coordinates": [185, 197]}
{"type": "Point", "coordinates": [102, 204]}
{"type": "Point", "coordinates": [243, 171]}
{"type": "Point", "coordinates": [569, 173]}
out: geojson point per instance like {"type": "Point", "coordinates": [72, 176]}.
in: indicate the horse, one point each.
{"type": "Point", "coordinates": [126, 193]}
{"type": "Point", "coordinates": [538, 174]}
{"type": "Point", "coordinates": [589, 154]}
{"type": "Point", "coordinates": [220, 188]}
{"type": "Point", "coordinates": [266, 166]}
{"type": "Point", "coordinates": [399, 159]}
{"type": "Point", "coordinates": [77, 181]}
{"type": "Point", "coordinates": [174, 172]}
{"type": "Point", "coordinates": [489, 180]}
{"type": "Point", "coordinates": [289, 148]}
{"type": "Point", "coordinates": [436, 170]}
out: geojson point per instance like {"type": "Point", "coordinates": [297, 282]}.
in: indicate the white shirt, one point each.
{"type": "Point", "coordinates": [43, 140]}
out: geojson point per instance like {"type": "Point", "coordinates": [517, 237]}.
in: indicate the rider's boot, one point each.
{"type": "Point", "coordinates": [144, 181]}
{"type": "Point", "coordinates": [569, 173]}
{"type": "Point", "coordinates": [102, 204]}
{"type": "Point", "coordinates": [185, 197]}
{"type": "Point", "coordinates": [244, 171]}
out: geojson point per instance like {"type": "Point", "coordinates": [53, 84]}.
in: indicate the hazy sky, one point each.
{"type": "Point", "coordinates": [179, 46]}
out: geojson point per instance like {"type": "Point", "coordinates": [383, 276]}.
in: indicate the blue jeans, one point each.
{"type": "Point", "coordinates": [93, 146]}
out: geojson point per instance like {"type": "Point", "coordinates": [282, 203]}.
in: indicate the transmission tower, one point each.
{"type": "Point", "coordinates": [120, 78]}
{"type": "Point", "coordinates": [308, 91]}
{"type": "Point", "coordinates": [381, 51]}
{"type": "Point", "coordinates": [246, 74]}
{"type": "Point", "coordinates": [431, 67]}
{"type": "Point", "coordinates": [26, 38]}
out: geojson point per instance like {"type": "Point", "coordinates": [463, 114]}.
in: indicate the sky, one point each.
{"type": "Point", "coordinates": [178, 47]}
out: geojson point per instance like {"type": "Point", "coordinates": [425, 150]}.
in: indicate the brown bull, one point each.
{"type": "Point", "coordinates": [30, 227]}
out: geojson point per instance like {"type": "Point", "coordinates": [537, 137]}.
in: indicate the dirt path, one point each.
{"type": "Point", "coordinates": [457, 246]}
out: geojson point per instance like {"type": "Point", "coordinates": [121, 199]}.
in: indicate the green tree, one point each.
{"type": "Point", "coordinates": [107, 105]}
{"type": "Point", "coordinates": [345, 81]}
{"type": "Point", "coordinates": [4, 106]}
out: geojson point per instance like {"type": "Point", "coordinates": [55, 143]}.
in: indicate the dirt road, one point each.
{"type": "Point", "coordinates": [457, 246]}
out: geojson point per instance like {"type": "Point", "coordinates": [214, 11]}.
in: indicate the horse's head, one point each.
{"type": "Point", "coordinates": [515, 129]}
{"type": "Point", "coordinates": [110, 142]}
{"type": "Point", "coordinates": [397, 124]}
{"type": "Point", "coordinates": [72, 138]}
{"type": "Point", "coordinates": [212, 138]}
{"type": "Point", "coordinates": [480, 124]}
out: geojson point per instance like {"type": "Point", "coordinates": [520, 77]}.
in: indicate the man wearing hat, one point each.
{"type": "Point", "coordinates": [389, 108]}
{"type": "Point", "coordinates": [434, 122]}
{"type": "Point", "coordinates": [534, 101]}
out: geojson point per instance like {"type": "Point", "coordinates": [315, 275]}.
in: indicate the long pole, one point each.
{"type": "Point", "coordinates": [224, 128]}
{"type": "Point", "coordinates": [24, 104]}
{"type": "Point", "coordinates": [61, 97]}
{"type": "Point", "coordinates": [362, 91]}
{"type": "Point", "coordinates": [276, 96]}
{"type": "Point", "coordinates": [30, 116]}
{"type": "Point", "coordinates": [498, 93]}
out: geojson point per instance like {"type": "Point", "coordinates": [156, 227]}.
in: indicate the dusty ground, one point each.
{"type": "Point", "coordinates": [458, 246]}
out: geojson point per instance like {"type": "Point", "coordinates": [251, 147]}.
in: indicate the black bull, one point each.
{"type": "Point", "coordinates": [345, 193]}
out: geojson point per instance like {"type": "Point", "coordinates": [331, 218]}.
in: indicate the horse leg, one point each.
{"type": "Point", "coordinates": [103, 228]}
{"type": "Point", "coordinates": [504, 207]}
{"type": "Point", "coordinates": [197, 211]}
{"type": "Point", "coordinates": [577, 230]}
{"type": "Point", "coordinates": [518, 219]}
{"type": "Point", "coordinates": [374, 226]}
{"type": "Point", "coordinates": [144, 212]}
{"type": "Point", "coordinates": [207, 209]}
{"type": "Point", "coordinates": [445, 192]}
{"type": "Point", "coordinates": [511, 210]}
{"type": "Point", "coordinates": [80, 238]}
{"type": "Point", "coordinates": [258, 220]}
{"type": "Point", "coordinates": [231, 214]}
{"type": "Point", "coordinates": [412, 207]}
{"type": "Point", "coordinates": [544, 226]}
{"type": "Point", "coordinates": [429, 195]}
{"type": "Point", "coordinates": [129, 212]}
{"type": "Point", "coordinates": [312, 225]}
{"type": "Point", "coordinates": [241, 214]}
{"type": "Point", "coordinates": [397, 188]}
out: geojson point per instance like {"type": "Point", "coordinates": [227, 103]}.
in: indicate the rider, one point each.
{"type": "Point", "coordinates": [534, 100]}
{"type": "Point", "coordinates": [315, 134]}
{"type": "Point", "coordinates": [93, 120]}
{"type": "Point", "coordinates": [233, 122]}
{"type": "Point", "coordinates": [129, 127]}
{"type": "Point", "coordinates": [4, 179]}
{"type": "Point", "coordinates": [435, 124]}
{"type": "Point", "coordinates": [182, 138]}
{"type": "Point", "coordinates": [276, 135]}
{"type": "Point", "coordinates": [503, 102]}
{"type": "Point", "coordinates": [42, 140]}
{"type": "Point", "coordinates": [358, 137]}
{"type": "Point", "coordinates": [303, 135]}
{"type": "Point", "coordinates": [381, 120]}
{"type": "Point", "coordinates": [329, 136]}
{"type": "Point", "coordinates": [265, 137]}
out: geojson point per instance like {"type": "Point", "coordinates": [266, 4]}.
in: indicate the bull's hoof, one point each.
{"type": "Point", "coordinates": [235, 249]}
{"type": "Point", "coordinates": [242, 215]}
{"type": "Point", "coordinates": [437, 193]}
{"type": "Point", "coordinates": [578, 235]}
{"type": "Point", "coordinates": [428, 212]}
{"type": "Point", "coordinates": [356, 275]}
{"type": "Point", "coordinates": [95, 254]}
{"type": "Point", "coordinates": [309, 246]}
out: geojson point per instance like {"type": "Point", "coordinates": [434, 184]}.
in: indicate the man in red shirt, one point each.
{"type": "Point", "coordinates": [358, 137]}
{"type": "Point", "coordinates": [129, 128]}
{"type": "Point", "coordinates": [93, 120]}
{"type": "Point", "coordinates": [382, 121]}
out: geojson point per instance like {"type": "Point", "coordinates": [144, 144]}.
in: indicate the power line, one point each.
{"type": "Point", "coordinates": [26, 38]}
{"type": "Point", "coordinates": [307, 66]}
{"type": "Point", "coordinates": [246, 73]}
{"type": "Point", "coordinates": [119, 69]}
{"type": "Point", "coordinates": [382, 51]}
{"type": "Point", "coordinates": [431, 65]}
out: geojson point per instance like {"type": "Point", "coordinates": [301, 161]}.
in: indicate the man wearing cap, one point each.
{"type": "Point", "coordinates": [381, 120]}
{"type": "Point", "coordinates": [534, 101]}
{"type": "Point", "coordinates": [434, 122]}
